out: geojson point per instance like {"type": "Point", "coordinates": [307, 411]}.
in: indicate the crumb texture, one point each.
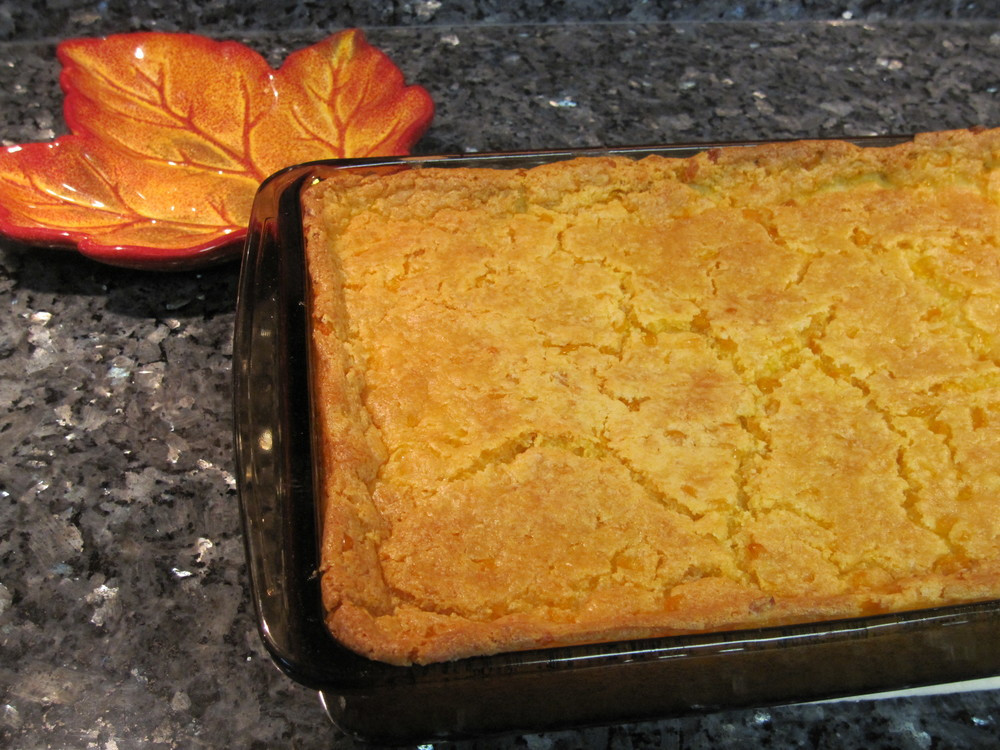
{"type": "Point", "coordinates": [608, 398]}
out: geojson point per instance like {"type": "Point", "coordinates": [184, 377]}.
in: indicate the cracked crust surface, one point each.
{"type": "Point", "coordinates": [610, 398]}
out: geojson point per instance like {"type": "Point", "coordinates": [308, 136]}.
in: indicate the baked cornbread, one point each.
{"type": "Point", "coordinates": [608, 398]}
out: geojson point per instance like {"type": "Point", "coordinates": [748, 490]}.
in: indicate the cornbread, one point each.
{"type": "Point", "coordinates": [608, 398]}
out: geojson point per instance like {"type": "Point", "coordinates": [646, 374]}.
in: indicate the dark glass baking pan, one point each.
{"type": "Point", "coordinates": [532, 690]}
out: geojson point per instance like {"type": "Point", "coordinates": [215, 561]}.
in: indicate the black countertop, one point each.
{"type": "Point", "coordinates": [125, 620]}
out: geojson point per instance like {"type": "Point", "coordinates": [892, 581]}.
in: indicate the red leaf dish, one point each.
{"type": "Point", "coordinates": [171, 135]}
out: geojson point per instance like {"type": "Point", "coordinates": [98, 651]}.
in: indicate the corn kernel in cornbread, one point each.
{"type": "Point", "coordinates": [608, 398]}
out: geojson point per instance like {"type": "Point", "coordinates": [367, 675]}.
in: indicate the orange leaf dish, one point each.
{"type": "Point", "coordinates": [171, 134]}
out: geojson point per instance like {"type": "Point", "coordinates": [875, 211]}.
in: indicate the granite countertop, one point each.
{"type": "Point", "coordinates": [125, 619]}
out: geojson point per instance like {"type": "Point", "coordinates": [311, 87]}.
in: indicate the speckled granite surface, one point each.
{"type": "Point", "coordinates": [124, 615]}
{"type": "Point", "coordinates": [59, 18]}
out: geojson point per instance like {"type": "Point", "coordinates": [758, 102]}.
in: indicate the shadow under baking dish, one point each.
{"type": "Point", "coordinates": [524, 691]}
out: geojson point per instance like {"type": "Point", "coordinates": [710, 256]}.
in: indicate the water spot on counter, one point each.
{"type": "Point", "coordinates": [180, 573]}
{"type": "Point", "coordinates": [564, 102]}
{"type": "Point", "coordinates": [889, 63]}
{"type": "Point", "coordinates": [451, 40]}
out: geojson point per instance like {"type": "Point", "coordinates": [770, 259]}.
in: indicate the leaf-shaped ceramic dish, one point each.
{"type": "Point", "coordinates": [171, 135]}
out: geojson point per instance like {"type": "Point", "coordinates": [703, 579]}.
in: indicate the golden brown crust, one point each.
{"type": "Point", "coordinates": [610, 398]}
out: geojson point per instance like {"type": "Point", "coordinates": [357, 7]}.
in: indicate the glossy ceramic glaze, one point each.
{"type": "Point", "coordinates": [171, 135]}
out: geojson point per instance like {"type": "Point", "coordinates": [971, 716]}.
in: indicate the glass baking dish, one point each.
{"type": "Point", "coordinates": [524, 691]}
